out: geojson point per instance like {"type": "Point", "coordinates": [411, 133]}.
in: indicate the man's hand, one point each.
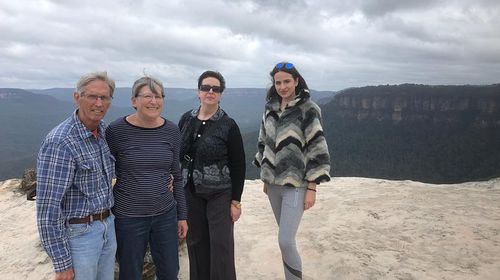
{"type": "Point", "coordinates": [65, 275]}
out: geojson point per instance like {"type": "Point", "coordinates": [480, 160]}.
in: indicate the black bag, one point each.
{"type": "Point", "coordinates": [31, 195]}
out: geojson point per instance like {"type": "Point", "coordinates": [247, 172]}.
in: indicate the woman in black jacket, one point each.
{"type": "Point", "coordinates": [213, 167]}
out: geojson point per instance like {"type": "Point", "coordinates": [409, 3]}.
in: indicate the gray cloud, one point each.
{"type": "Point", "coordinates": [335, 44]}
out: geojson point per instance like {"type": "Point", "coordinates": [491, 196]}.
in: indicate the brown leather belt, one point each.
{"type": "Point", "coordinates": [90, 218]}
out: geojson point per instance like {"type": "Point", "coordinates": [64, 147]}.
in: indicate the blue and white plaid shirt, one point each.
{"type": "Point", "coordinates": [74, 173]}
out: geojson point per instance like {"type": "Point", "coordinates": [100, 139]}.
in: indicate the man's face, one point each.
{"type": "Point", "coordinates": [93, 103]}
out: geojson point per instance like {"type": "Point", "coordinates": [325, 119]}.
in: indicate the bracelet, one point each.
{"type": "Point", "coordinates": [237, 205]}
{"type": "Point", "coordinates": [310, 189]}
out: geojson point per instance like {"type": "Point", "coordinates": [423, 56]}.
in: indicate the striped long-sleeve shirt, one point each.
{"type": "Point", "coordinates": [145, 159]}
{"type": "Point", "coordinates": [74, 172]}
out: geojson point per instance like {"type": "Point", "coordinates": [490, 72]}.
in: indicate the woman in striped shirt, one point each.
{"type": "Point", "coordinates": [146, 148]}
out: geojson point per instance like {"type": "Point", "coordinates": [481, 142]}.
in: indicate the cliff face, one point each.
{"type": "Point", "coordinates": [437, 134]}
{"type": "Point", "coordinates": [433, 104]}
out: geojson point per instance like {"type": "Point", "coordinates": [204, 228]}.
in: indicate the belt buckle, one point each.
{"type": "Point", "coordinates": [97, 218]}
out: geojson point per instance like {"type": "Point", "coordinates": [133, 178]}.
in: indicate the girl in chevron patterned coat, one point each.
{"type": "Point", "coordinates": [293, 157]}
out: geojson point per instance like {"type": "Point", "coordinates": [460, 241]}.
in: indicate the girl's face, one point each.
{"type": "Point", "coordinates": [285, 85]}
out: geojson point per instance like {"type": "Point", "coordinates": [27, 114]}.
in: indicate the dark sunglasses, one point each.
{"type": "Point", "coordinates": [207, 88]}
{"type": "Point", "coordinates": [286, 65]}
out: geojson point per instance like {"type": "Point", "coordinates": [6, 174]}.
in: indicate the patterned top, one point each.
{"type": "Point", "coordinates": [219, 157]}
{"type": "Point", "coordinates": [145, 159]}
{"type": "Point", "coordinates": [74, 173]}
{"type": "Point", "coordinates": [292, 149]}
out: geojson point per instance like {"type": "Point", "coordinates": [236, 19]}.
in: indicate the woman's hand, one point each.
{"type": "Point", "coordinates": [182, 229]}
{"type": "Point", "coordinates": [310, 197]}
{"type": "Point", "coordinates": [170, 186]}
{"type": "Point", "coordinates": [235, 210]}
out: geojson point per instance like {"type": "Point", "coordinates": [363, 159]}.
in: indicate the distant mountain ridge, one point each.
{"type": "Point", "coordinates": [240, 103]}
{"type": "Point", "coordinates": [25, 118]}
{"type": "Point", "coordinates": [435, 134]}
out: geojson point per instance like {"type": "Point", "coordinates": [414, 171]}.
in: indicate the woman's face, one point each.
{"type": "Point", "coordinates": [148, 104]}
{"type": "Point", "coordinates": [209, 92]}
{"type": "Point", "coordinates": [285, 85]}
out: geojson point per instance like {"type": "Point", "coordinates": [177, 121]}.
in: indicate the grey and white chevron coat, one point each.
{"type": "Point", "coordinates": [292, 148]}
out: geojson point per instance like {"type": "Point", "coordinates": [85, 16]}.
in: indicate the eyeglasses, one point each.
{"type": "Point", "coordinates": [148, 97]}
{"type": "Point", "coordinates": [93, 97]}
{"type": "Point", "coordinates": [207, 88]}
{"type": "Point", "coordinates": [286, 65]}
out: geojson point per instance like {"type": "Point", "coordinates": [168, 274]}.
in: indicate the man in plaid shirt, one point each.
{"type": "Point", "coordinates": [74, 190]}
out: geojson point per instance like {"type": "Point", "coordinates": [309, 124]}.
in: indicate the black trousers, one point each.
{"type": "Point", "coordinates": [210, 238]}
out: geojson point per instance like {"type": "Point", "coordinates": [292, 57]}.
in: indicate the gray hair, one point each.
{"type": "Point", "coordinates": [94, 76]}
{"type": "Point", "coordinates": [152, 83]}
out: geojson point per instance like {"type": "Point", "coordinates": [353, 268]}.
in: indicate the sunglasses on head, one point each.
{"type": "Point", "coordinates": [286, 65]}
{"type": "Point", "coordinates": [207, 88]}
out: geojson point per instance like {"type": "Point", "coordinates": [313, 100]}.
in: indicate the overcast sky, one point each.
{"type": "Point", "coordinates": [334, 44]}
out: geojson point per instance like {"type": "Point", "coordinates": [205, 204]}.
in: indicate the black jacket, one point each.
{"type": "Point", "coordinates": [219, 158]}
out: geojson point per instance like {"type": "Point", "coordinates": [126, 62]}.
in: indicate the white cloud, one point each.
{"type": "Point", "coordinates": [335, 44]}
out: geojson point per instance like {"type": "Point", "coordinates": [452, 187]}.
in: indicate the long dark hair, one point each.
{"type": "Point", "coordinates": [289, 68]}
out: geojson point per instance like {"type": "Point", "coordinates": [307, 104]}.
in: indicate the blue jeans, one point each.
{"type": "Point", "coordinates": [93, 249]}
{"type": "Point", "coordinates": [133, 235]}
